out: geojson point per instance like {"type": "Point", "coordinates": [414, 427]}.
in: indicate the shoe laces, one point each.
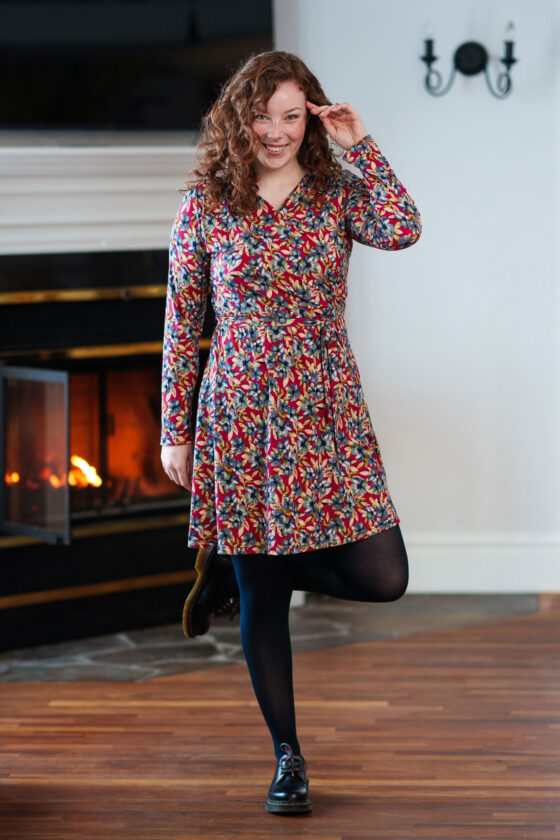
{"type": "Point", "coordinates": [289, 762]}
{"type": "Point", "coordinates": [229, 607]}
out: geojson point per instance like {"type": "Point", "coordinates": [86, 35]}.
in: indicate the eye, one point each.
{"type": "Point", "coordinates": [293, 116]}
{"type": "Point", "coordinates": [256, 116]}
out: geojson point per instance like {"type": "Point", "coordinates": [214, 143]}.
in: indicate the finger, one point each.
{"type": "Point", "coordinates": [330, 114]}
{"type": "Point", "coordinates": [184, 479]}
{"type": "Point", "coordinates": [181, 478]}
{"type": "Point", "coordinates": [172, 474]}
{"type": "Point", "coordinates": [339, 109]}
{"type": "Point", "coordinates": [319, 108]}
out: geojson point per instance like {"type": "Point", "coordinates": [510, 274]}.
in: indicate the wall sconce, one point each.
{"type": "Point", "coordinates": [470, 58]}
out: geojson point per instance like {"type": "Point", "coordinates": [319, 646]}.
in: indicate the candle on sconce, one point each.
{"type": "Point", "coordinates": [429, 49]}
{"type": "Point", "coordinates": [510, 32]}
{"type": "Point", "coordinates": [429, 41]}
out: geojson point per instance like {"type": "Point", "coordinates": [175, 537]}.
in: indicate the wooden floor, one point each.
{"type": "Point", "coordinates": [450, 734]}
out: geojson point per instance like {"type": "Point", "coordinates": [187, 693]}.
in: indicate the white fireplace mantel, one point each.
{"type": "Point", "coordinates": [102, 197]}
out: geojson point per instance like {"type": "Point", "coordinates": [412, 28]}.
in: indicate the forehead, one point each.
{"type": "Point", "coordinates": [287, 94]}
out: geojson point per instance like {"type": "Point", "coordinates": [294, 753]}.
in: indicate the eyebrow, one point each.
{"type": "Point", "coordinates": [295, 108]}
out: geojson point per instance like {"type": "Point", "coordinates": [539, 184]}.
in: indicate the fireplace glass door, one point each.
{"type": "Point", "coordinates": [34, 456]}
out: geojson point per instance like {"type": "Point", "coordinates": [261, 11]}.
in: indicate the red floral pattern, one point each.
{"type": "Point", "coordinates": [285, 456]}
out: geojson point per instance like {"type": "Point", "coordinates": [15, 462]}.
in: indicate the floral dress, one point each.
{"type": "Point", "coordinates": [285, 456]}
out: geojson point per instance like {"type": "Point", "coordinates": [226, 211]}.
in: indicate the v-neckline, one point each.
{"type": "Point", "coordinates": [288, 197]}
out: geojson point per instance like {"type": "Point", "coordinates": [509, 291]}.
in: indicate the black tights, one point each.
{"type": "Point", "coordinates": [370, 569]}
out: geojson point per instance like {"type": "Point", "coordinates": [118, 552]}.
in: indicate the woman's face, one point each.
{"type": "Point", "coordinates": [280, 127]}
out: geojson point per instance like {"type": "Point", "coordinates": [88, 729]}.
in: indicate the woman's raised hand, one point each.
{"type": "Point", "coordinates": [178, 463]}
{"type": "Point", "coordinates": [342, 122]}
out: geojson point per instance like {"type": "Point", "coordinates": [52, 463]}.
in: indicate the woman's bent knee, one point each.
{"type": "Point", "coordinates": [393, 587]}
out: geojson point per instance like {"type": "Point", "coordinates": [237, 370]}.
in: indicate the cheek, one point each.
{"type": "Point", "coordinates": [299, 134]}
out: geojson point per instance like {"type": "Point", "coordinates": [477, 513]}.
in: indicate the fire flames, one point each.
{"type": "Point", "coordinates": [81, 474]}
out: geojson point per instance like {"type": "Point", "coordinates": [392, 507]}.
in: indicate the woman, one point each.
{"type": "Point", "coordinates": [285, 473]}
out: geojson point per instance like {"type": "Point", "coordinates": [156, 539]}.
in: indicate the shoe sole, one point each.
{"type": "Point", "coordinates": [288, 807]}
{"type": "Point", "coordinates": [201, 567]}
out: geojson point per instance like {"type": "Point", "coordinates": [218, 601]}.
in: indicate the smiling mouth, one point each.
{"type": "Point", "coordinates": [272, 148]}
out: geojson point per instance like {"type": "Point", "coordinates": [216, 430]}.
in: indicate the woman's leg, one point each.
{"type": "Point", "coordinates": [266, 584]}
{"type": "Point", "coordinates": [372, 569]}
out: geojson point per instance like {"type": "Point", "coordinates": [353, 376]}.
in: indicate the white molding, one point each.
{"type": "Point", "coordinates": [71, 199]}
{"type": "Point", "coordinates": [492, 563]}
{"type": "Point", "coordinates": [298, 599]}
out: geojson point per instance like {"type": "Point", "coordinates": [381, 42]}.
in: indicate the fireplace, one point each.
{"type": "Point", "coordinates": [92, 531]}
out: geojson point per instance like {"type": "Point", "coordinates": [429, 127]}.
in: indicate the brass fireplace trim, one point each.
{"type": "Point", "coordinates": [26, 599]}
{"type": "Point", "coordinates": [98, 529]}
{"type": "Point", "coordinates": [75, 295]}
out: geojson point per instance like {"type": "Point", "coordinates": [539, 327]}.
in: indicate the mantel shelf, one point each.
{"type": "Point", "coordinates": [67, 199]}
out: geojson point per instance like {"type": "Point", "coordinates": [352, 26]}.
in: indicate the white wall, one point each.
{"type": "Point", "coordinates": [458, 337]}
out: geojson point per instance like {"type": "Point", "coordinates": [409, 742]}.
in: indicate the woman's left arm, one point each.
{"type": "Point", "coordinates": [378, 210]}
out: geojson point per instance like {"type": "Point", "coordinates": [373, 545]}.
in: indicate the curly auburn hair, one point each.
{"type": "Point", "coordinates": [228, 145]}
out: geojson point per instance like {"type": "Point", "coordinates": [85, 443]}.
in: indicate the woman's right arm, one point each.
{"type": "Point", "coordinates": [188, 288]}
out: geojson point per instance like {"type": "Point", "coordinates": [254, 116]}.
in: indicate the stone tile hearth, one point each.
{"type": "Point", "coordinates": [322, 622]}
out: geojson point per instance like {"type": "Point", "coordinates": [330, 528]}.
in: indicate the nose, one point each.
{"type": "Point", "coordinates": [273, 131]}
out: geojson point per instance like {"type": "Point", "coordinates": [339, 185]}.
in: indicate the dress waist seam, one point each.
{"type": "Point", "coordinates": [297, 319]}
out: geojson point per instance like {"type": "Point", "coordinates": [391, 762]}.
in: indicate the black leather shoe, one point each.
{"type": "Point", "coordinates": [208, 595]}
{"type": "Point", "coordinates": [288, 793]}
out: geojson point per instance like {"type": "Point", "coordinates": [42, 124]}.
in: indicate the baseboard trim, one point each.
{"type": "Point", "coordinates": [492, 563]}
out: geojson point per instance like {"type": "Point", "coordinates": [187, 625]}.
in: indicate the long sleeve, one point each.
{"type": "Point", "coordinates": [187, 295]}
{"type": "Point", "coordinates": [378, 210]}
